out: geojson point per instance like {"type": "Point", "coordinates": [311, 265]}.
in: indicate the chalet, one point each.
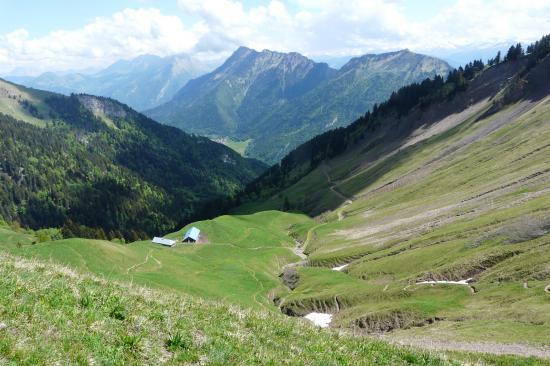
{"type": "Point", "coordinates": [192, 235]}
{"type": "Point", "coordinates": [164, 241]}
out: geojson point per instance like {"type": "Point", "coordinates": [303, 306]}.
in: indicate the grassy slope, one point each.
{"type": "Point", "coordinates": [415, 230]}
{"type": "Point", "coordinates": [430, 224]}
{"type": "Point", "coordinates": [51, 314]}
{"type": "Point", "coordinates": [238, 146]}
{"type": "Point", "coordinates": [240, 263]}
{"type": "Point", "coordinates": [470, 212]}
{"type": "Point", "coordinates": [12, 107]}
{"type": "Point", "coordinates": [69, 317]}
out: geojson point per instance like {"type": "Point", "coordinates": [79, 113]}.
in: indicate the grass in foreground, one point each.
{"type": "Point", "coordinates": [53, 315]}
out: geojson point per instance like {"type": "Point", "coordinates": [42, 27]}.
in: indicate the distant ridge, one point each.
{"type": "Point", "coordinates": [142, 82]}
{"type": "Point", "coordinates": [278, 100]}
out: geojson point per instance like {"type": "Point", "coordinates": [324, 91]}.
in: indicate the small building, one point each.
{"type": "Point", "coordinates": [164, 241]}
{"type": "Point", "coordinates": [192, 235]}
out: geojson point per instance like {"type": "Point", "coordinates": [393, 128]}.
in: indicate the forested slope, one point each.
{"type": "Point", "coordinates": [99, 169]}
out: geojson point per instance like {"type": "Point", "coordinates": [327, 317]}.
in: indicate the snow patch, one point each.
{"type": "Point", "coordinates": [461, 282]}
{"type": "Point", "coordinates": [339, 268]}
{"type": "Point", "coordinates": [330, 124]}
{"type": "Point", "coordinates": [319, 319]}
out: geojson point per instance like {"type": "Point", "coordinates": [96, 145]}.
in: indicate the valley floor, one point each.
{"type": "Point", "coordinates": [441, 344]}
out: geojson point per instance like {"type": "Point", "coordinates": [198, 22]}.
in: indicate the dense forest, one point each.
{"type": "Point", "coordinates": [99, 169]}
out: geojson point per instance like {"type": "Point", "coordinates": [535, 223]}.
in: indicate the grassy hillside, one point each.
{"type": "Point", "coordinates": [240, 263]}
{"type": "Point", "coordinates": [13, 96]}
{"type": "Point", "coordinates": [52, 314]}
{"type": "Point", "coordinates": [461, 194]}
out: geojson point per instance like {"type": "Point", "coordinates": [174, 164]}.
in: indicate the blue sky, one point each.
{"type": "Point", "coordinates": [38, 36]}
{"type": "Point", "coordinates": [51, 15]}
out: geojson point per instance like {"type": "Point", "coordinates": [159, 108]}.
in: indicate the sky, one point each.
{"type": "Point", "coordinates": [62, 35]}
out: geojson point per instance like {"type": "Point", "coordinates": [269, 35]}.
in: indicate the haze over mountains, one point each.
{"type": "Point", "coordinates": [276, 101]}
{"type": "Point", "coordinates": [142, 82]}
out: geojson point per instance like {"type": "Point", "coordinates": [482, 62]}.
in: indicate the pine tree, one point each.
{"type": "Point", "coordinates": [286, 204]}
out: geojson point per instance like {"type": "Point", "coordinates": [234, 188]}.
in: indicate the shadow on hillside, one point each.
{"type": "Point", "coordinates": [379, 155]}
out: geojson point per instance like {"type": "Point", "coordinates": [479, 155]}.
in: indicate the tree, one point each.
{"type": "Point", "coordinates": [286, 204]}
{"type": "Point", "coordinates": [514, 52]}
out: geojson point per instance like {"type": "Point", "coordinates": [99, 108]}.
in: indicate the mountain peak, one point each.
{"type": "Point", "coordinates": [281, 98]}
{"type": "Point", "coordinates": [245, 60]}
{"type": "Point", "coordinates": [243, 50]}
{"type": "Point", "coordinates": [402, 59]}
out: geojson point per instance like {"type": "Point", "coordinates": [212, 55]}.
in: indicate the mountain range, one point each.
{"type": "Point", "coordinates": [263, 104]}
{"type": "Point", "coordinates": [275, 101]}
{"type": "Point", "coordinates": [425, 222]}
{"type": "Point", "coordinates": [142, 82]}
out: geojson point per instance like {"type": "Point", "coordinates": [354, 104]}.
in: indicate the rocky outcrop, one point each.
{"type": "Point", "coordinates": [102, 107]}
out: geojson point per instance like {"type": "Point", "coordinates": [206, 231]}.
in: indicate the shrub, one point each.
{"type": "Point", "coordinates": [178, 341]}
{"type": "Point", "coordinates": [48, 234]}
{"type": "Point", "coordinates": [85, 301]}
{"type": "Point", "coordinates": [130, 342]}
{"type": "Point", "coordinates": [118, 312]}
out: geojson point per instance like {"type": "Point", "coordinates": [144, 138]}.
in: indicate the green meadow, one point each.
{"type": "Point", "coordinates": [239, 263]}
{"type": "Point", "coordinates": [53, 314]}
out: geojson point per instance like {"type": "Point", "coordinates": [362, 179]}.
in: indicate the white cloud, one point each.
{"type": "Point", "coordinates": [337, 27]}
{"type": "Point", "coordinates": [312, 27]}
{"type": "Point", "coordinates": [344, 27]}
{"type": "Point", "coordinates": [125, 34]}
{"type": "Point", "coordinates": [474, 21]}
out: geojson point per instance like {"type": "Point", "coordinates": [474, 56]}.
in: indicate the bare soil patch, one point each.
{"type": "Point", "coordinates": [484, 347]}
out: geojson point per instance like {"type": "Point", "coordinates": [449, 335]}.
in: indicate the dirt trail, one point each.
{"type": "Point", "coordinates": [252, 273]}
{"type": "Point", "coordinates": [483, 347]}
{"type": "Point", "coordinates": [347, 200]}
{"type": "Point", "coordinates": [332, 183]}
{"type": "Point", "coordinates": [149, 255]}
